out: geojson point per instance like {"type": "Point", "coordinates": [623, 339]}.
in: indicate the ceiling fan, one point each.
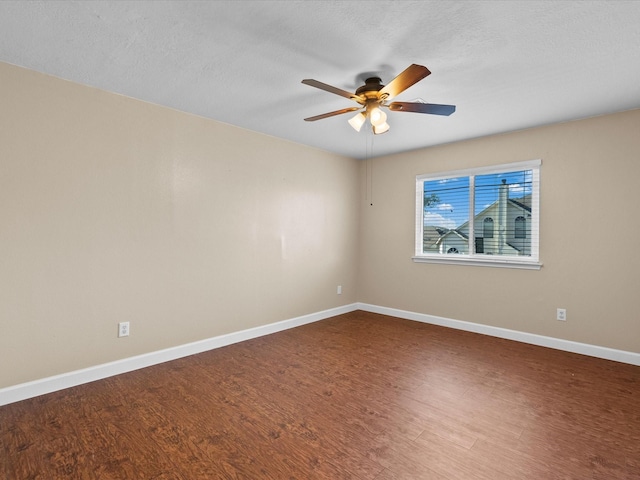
{"type": "Point", "coordinates": [373, 95]}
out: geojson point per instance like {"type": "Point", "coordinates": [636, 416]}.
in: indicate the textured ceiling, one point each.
{"type": "Point", "coordinates": [506, 65]}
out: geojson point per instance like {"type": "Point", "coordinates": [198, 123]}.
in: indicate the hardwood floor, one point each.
{"type": "Point", "coordinates": [359, 396]}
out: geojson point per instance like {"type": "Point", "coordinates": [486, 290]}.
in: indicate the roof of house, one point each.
{"type": "Point", "coordinates": [434, 235]}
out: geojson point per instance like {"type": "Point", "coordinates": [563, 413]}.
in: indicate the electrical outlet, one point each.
{"type": "Point", "coordinates": [123, 329]}
{"type": "Point", "coordinates": [561, 314]}
{"type": "Point", "coordinates": [339, 289]}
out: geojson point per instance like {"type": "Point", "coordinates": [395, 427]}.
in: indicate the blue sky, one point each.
{"type": "Point", "coordinates": [452, 210]}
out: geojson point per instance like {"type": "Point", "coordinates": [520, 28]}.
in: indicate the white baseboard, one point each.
{"type": "Point", "coordinates": [531, 338]}
{"type": "Point", "coordinates": [26, 390]}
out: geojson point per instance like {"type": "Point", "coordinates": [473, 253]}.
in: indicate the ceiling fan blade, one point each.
{"type": "Point", "coordinates": [332, 114]}
{"type": "Point", "coordinates": [413, 74]}
{"type": "Point", "coordinates": [432, 108]}
{"type": "Point", "coordinates": [331, 89]}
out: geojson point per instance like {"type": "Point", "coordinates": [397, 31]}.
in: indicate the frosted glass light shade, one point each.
{"type": "Point", "coordinates": [377, 117]}
{"type": "Point", "coordinates": [378, 129]}
{"type": "Point", "coordinates": [357, 121]}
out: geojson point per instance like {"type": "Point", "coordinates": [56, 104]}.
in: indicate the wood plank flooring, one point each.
{"type": "Point", "coordinates": [359, 396]}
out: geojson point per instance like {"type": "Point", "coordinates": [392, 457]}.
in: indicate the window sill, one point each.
{"type": "Point", "coordinates": [480, 262]}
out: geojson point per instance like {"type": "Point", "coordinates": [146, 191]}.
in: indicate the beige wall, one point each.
{"type": "Point", "coordinates": [589, 234]}
{"type": "Point", "coordinates": [115, 210]}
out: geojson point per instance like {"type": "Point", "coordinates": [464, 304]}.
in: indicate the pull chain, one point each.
{"type": "Point", "coordinates": [369, 168]}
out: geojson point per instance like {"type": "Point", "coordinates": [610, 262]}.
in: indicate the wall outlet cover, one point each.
{"type": "Point", "coordinates": [123, 329]}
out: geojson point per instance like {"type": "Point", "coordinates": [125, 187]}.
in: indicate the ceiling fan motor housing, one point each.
{"type": "Point", "coordinates": [370, 88]}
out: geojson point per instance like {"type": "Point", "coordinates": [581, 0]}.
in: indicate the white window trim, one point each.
{"type": "Point", "coordinates": [532, 262]}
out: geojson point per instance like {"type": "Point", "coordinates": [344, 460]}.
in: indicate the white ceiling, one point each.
{"type": "Point", "coordinates": [506, 65]}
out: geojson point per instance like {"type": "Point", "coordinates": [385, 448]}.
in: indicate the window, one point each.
{"type": "Point", "coordinates": [487, 230]}
{"type": "Point", "coordinates": [521, 227]}
{"type": "Point", "coordinates": [486, 216]}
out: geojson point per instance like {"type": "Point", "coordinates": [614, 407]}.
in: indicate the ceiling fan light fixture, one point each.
{"type": "Point", "coordinates": [376, 116]}
{"type": "Point", "coordinates": [357, 121]}
{"type": "Point", "coordinates": [378, 129]}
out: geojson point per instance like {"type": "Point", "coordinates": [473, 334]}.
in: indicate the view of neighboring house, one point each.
{"type": "Point", "coordinates": [503, 228]}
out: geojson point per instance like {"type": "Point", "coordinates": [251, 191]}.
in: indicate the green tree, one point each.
{"type": "Point", "coordinates": [430, 199]}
